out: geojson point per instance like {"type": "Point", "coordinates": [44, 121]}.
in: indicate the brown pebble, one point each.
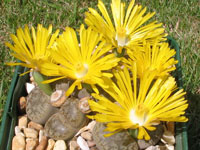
{"type": "Point", "coordinates": [22, 104]}
{"type": "Point", "coordinates": [73, 145]}
{"type": "Point", "coordinates": [18, 142]}
{"type": "Point", "coordinates": [35, 125]}
{"type": "Point", "coordinates": [91, 143]}
{"type": "Point", "coordinates": [43, 144]}
{"type": "Point", "coordinates": [22, 122]}
{"type": "Point", "coordinates": [87, 135]}
{"type": "Point", "coordinates": [94, 148]}
{"type": "Point", "coordinates": [60, 145]}
{"type": "Point", "coordinates": [51, 144]}
{"type": "Point", "coordinates": [170, 127]}
{"type": "Point", "coordinates": [31, 143]}
{"type": "Point", "coordinates": [30, 133]}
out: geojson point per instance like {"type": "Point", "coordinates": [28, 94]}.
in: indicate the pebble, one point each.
{"type": "Point", "coordinates": [171, 127]}
{"type": "Point", "coordinates": [18, 131]}
{"type": "Point", "coordinates": [31, 143]}
{"type": "Point", "coordinates": [51, 144]}
{"type": "Point", "coordinates": [35, 125]}
{"type": "Point", "coordinates": [29, 87]}
{"type": "Point", "coordinates": [153, 148]}
{"type": "Point", "coordinates": [168, 137]}
{"type": "Point", "coordinates": [91, 143]}
{"type": "Point", "coordinates": [22, 122]}
{"type": "Point", "coordinates": [22, 104]}
{"type": "Point", "coordinates": [93, 148]}
{"type": "Point", "coordinates": [30, 133]}
{"type": "Point", "coordinates": [86, 135]}
{"type": "Point", "coordinates": [18, 142]}
{"type": "Point", "coordinates": [60, 145]}
{"type": "Point", "coordinates": [73, 145]}
{"type": "Point", "coordinates": [82, 143]}
{"type": "Point", "coordinates": [91, 125]}
{"type": "Point", "coordinates": [41, 134]}
{"type": "Point", "coordinates": [43, 144]}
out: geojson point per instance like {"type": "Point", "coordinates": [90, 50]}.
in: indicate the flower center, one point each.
{"type": "Point", "coordinates": [121, 36]}
{"type": "Point", "coordinates": [139, 115]}
{"type": "Point", "coordinates": [81, 70]}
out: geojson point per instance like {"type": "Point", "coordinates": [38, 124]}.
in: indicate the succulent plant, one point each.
{"type": "Point", "coordinates": [66, 123]}
{"type": "Point", "coordinates": [118, 141]}
{"type": "Point", "coordinates": [38, 107]}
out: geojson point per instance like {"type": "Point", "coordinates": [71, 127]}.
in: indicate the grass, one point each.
{"type": "Point", "coordinates": [181, 18]}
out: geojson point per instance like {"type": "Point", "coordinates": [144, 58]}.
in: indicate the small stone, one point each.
{"type": "Point", "coordinates": [43, 144]}
{"type": "Point", "coordinates": [18, 131]}
{"type": "Point", "coordinates": [29, 87]}
{"type": "Point", "coordinates": [87, 135]}
{"type": "Point", "coordinates": [41, 134]}
{"type": "Point", "coordinates": [51, 144]}
{"type": "Point", "coordinates": [91, 125]}
{"type": "Point", "coordinates": [91, 143]}
{"type": "Point", "coordinates": [153, 148]}
{"type": "Point", "coordinates": [18, 142]}
{"type": "Point", "coordinates": [73, 145]}
{"type": "Point", "coordinates": [170, 147]}
{"type": "Point", "coordinates": [22, 122]}
{"type": "Point", "coordinates": [171, 127]}
{"type": "Point", "coordinates": [60, 145]}
{"type": "Point", "coordinates": [35, 125]}
{"type": "Point", "coordinates": [82, 143]}
{"type": "Point", "coordinates": [31, 79]}
{"type": "Point", "coordinates": [168, 137]}
{"type": "Point", "coordinates": [30, 133]}
{"type": "Point", "coordinates": [31, 143]}
{"type": "Point", "coordinates": [94, 148]}
{"type": "Point", "coordinates": [22, 104]}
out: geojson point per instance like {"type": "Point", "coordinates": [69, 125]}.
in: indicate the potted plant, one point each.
{"type": "Point", "coordinates": [124, 68]}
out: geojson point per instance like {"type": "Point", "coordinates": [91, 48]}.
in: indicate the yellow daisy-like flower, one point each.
{"type": "Point", "coordinates": [32, 49]}
{"type": "Point", "coordinates": [158, 57]}
{"type": "Point", "coordinates": [139, 105]}
{"type": "Point", "coordinates": [128, 29]}
{"type": "Point", "coordinates": [84, 63]}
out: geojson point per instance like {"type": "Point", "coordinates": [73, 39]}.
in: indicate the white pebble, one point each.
{"type": "Point", "coordinates": [29, 87]}
{"type": "Point", "coordinates": [60, 145]}
{"type": "Point", "coordinates": [82, 143]}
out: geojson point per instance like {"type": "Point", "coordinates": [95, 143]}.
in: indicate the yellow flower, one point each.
{"type": "Point", "coordinates": [139, 105]}
{"type": "Point", "coordinates": [128, 29]}
{"type": "Point", "coordinates": [84, 63]}
{"type": "Point", "coordinates": [32, 50]}
{"type": "Point", "coordinates": [158, 57]}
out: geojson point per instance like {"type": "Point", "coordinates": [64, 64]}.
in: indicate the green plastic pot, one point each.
{"type": "Point", "coordinates": [17, 89]}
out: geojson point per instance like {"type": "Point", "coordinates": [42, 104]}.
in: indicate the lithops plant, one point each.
{"type": "Point", "coordinates": [38, 107]}
{"type": "Point", "coordinates": [118, 141]}
{"type": "Point", "coordinates": [67, 122]}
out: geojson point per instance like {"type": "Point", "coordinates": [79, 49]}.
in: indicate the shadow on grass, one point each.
{"type": "Point", "coordinates": [193, 125]}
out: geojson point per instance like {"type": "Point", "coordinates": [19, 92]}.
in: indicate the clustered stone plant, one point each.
{"type": "Point", "coordinates": [122, 62]}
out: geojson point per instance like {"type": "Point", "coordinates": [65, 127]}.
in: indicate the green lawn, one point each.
{"type": "Point", "coordinates": [181, 18]}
